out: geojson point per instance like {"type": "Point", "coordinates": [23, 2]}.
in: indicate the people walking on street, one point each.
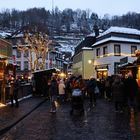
{"type": "Point", "coordinates": [125, 102]}
{"type": "Point", "coordinates": [77, 101]}
{"type": "Point", "coordinates": [101, 86]}
{"type": "Point", "coordinates": [132, 90]}
{"type": "Point", "coordinates": [61, 88]}
{"type": "Point", "coordinates": [14, 88]}
{"type": "Point", "coordinates": [108, 88]}
{"type": "Point", "coordinates": [82, 85]}
{"type": "Point", "coordinates": [53, 91]}
{"type": "Point", "coordinates": [68, 87]}
{"type": "Point", "coordinates": [118, 93]}
{"type": "Point", "coordinates": [90, 90]}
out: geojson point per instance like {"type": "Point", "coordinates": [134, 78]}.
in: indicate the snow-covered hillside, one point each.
{"type": "Point", "coordinates": [67, 43]}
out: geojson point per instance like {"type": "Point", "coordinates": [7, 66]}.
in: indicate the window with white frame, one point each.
{"type": "Point", "coordinates": [26, 54]}
{"type": "Point", "coordinates": [98, 52]}
{"type": "Point", "coordinates": [133, 49]}
{"type": "Point", "coordinates": [25, 65]}
{"type": "Point", "coordinates": [105, 51]}
{"type": "Point", "coordinates": [18, 54]}
{"type": "Point", "coordinates": [117, 50]}
{"type": "Point", "coordinates": [18, 65]}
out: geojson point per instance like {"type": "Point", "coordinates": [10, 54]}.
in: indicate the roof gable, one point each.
{"type": "Point", "coordinates": [118, 34]}
{"type": "Point", "coordinates": [87, 42]}
{"type": "Point", "coordinates": [120, 30]}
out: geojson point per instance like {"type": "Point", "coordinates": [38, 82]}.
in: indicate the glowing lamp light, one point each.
{"type": "Point", "coordinates": [29, 78]}
{"type": "Point", "coordinates": [89, 61]}
{"type": "Point", "coordinates": [12, 78]}
{"type": "Point", "coordinates": [137, 52]}
{"type": "Point", "coordinates": [62, 74]}
{"type": "Point", "coordinates": [105, 69]}
{"type": "Point", "coordinates": [2, 105]}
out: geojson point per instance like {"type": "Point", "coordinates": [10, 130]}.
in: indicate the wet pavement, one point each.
{"type": "Point", "coordinates": [99, 123]}
{"type": "Point", "coordinates": [9, 116]}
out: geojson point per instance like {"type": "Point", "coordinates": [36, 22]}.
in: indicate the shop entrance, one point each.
{"type": "Point", "coordinates": [102, 74]}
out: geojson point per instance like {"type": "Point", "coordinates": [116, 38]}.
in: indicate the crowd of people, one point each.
{"type": "Point", "coordinates": [118, 89]}
{"type": "Point", "coordinates": [123, 91]}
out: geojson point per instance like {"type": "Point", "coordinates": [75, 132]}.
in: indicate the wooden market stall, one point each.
{"type": "Point", "coordinates": [5, 55]}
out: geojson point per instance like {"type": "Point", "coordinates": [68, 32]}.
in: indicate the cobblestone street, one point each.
{"type": "Point", "coordinates": [100, 123]}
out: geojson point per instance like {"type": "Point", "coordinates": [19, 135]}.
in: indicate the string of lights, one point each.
{"type": "Point", "coordinates": [37, 45]}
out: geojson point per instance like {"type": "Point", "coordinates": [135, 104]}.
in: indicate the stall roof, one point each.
{"type": "Point", "coordinates": [52, 69]}
{"type": "Point", "coordinates": [126, 65]}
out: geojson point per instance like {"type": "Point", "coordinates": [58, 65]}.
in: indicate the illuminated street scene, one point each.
{"type": "Point", "coordinates": [69, 70]}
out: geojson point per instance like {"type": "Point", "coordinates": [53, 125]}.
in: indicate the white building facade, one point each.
{"type": "Point", "coordinates": [54, 59]}
{"type": "Point", "coordinates": [23, 58]}
{"type": "Point", "coordinates": [113, 45]}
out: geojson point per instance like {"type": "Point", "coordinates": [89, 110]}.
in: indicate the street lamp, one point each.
{"type": "Point", "coordinates": [89, 61]}
{"type": "Point", "coordinates": [37, 46]}
{"type": "Point", "coordinates": [90, 68]}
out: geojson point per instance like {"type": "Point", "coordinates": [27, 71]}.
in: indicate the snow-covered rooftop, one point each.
{"type": "Point", "coordinates": [92, 34]}
{"type": "Point", "coordinates": [120, 30]}
{"type": "Point", "coordinates": [117, 39]}
{"type": "Point", "coordinates": [4, 34]}
{"type": "Point", "coordinates": [86, 48]}
{"type": "Point", "coordinates": [19, 35]}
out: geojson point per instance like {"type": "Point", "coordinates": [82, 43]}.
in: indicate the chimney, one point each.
{"type": "Point", "coordinates": [96, 30]}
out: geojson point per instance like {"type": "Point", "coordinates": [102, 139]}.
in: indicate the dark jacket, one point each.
{"type": "Point", "coordinates": [16, 86]}
{"type": "Point", "coordinates": [131, 87]}
{"type": "Point", "coordinates": [91, 85]}
{"type": "Point", "coordinates": [118, 91]}
{"type": "Point", "coordinates": [53, 88]}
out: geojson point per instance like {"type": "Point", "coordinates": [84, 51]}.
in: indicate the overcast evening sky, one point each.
{"type": "Point", "coordinates": [101, 7]}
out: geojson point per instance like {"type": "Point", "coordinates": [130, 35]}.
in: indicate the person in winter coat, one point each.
{"type": "Point", "coordinates": [77, 100]}
{"type": "Point", "coordinates": [108, 88]}
{"type": "Point", "coordinates": [90, 90]}
{"type": "Point", "coordinates": [53, 91]}
{"type": "Point", "coordinates": [132, 90]}
{"type": "Point", "coordinates": [61, 88]}
{"type": "Point", "coordinates": [118, 94]}
{"type": "Point", "coordinates": [14, 87]}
